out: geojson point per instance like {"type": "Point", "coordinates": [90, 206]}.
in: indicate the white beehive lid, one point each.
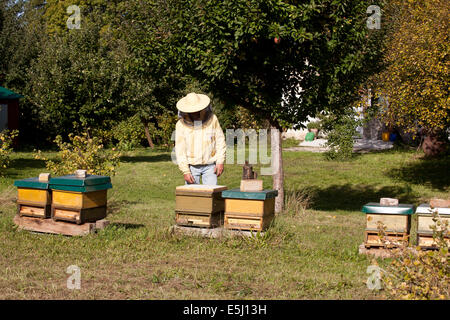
{"type": "Point", "coordinates": [426, 209]}
{"type": "Point", "coordinates": [201, 188]}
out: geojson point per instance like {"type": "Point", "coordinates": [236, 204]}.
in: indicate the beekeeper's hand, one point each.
{"type": "Point", "coordinates": [189, 178]}
{"type": "Point", "coordinates": [218, 169]}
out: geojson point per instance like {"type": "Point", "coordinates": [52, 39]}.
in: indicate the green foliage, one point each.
{"type": "Point", "coordinates": [82, 152]}
{"type": "Point", "coordinates": [421, 275]}
{"type": "Point", "coordinates": [324, 48]}
{"type": "Point", "coordinates": [21, 40]}
{"type": "Point", "coordinates": [417, 73]}
{"type": "Point", "coordinates": [340, 131]}
{"type": "Point", "coordinates": [6, 140]}
{"type": "Point", "coordinates": [290, 142]}
{"type": "Point", "coordinates": [56, 12]}
{"type": "Point", "coordinates": [136, 57]}
{"type": "Point", "coordinates": [165, 126]}
{"type": "Point", "coordinates": [314, 125]}
{"type": "Point", "coordinates": [154, 82]}
{"type": "Point", "coordinates": [129, 133]}
{"type": "Point", "coordinates": [78, 81]}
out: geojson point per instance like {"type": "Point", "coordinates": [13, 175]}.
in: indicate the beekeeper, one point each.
{"type": "Point", "coordinates": [199, 140]}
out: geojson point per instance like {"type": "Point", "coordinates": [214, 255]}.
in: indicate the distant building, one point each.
{"type": "Point", "coordinates": [9, 110]}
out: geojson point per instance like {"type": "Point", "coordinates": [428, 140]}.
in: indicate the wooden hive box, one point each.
{"type": "Point", "coordinates": [33, 198]}
{"type": "Point", "coordinates": [424, 223]}
{"type": "Point", "coordinates": [199, 205]}
{"type": "Point", "coordinates": [249, 210]}
{"type": "Point", "coordinates": [79, 199]}
{"type": "Point", "coordinates": [396, 219]}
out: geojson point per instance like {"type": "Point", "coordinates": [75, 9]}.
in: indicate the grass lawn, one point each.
{"type": "Point", "coordinates": [310, 254]}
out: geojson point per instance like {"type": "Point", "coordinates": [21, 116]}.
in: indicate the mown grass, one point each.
{"type": "Point", "coordinates": [309, 254]}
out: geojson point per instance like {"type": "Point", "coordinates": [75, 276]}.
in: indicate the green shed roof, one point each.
{"type": "Point", "coordinates": [6, 94]}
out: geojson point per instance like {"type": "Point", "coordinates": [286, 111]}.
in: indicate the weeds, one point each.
{"type": "Point", "coordinates": [297, 201]}
{"type": "Point", "coordinates": [6, 141]}
{"type": "Point", "coordinates": [415, 274]}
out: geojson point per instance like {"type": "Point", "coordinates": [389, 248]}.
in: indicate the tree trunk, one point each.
{"type": "Point", "coordinates": [433, 146]}
{"type": "Point", "coordinates": [147, 134]}
{"type": "Point", "coordinates": [277, 167]}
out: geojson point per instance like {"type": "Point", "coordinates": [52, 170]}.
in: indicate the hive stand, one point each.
{"type": "Point", "coordinates": [58, 227]}
{"type": "Point", "coordinates": [215, 233]}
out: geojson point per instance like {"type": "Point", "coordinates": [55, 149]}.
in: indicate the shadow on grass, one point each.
{"type": "Point", "coordinates": [353, 197]}
{"type": "Point", "coordinates": [21, 168]}
{"type": "Point", "coordinates": [114, 206]}
{"type": "Point", "coordinates": [155, 158]}
{"type": "Point", "coordinates": [22, 163]}
{"type": "Point", "coordinates": [126, 226]}
{"type": "Point", "coordinates": [433, 172]}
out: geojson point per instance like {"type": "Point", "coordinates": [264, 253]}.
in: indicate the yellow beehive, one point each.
{"type": "Point", "coordinates": [33, 198]}
{"type": "Point", "coordinates": [79, 199]}
{"type": "Point", "coordinates": [249, 210]}
{"type": "Point", "coordinates": [199, 205]}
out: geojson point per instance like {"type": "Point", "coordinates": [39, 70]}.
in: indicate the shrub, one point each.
{"type": "Point", "coordinates": [106, 136]}
{"type": "Point", "coordinates": [82, 152]}
{"type": "Point", "coordinates": [418, 274]}
{"type": "Point", "coordinates": [314, 125]}
{"type": "Point", "coordinates": [340, 133]}
{"type": "Point", "coordinates": [166, 125]}
{"type": "Point", "coordinates": [129, 133]}
{"type": "Point", "coordinates": [6, 140]}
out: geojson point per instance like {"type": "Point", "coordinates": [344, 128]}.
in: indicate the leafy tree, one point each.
{"type": "Point", "coordinates": [155, 85]}
{"type": "Point", "coordinates": [56, 15]}
{"type": "Point", "coordinates": [21, 39]}
{"type": "Point", "coordinates": [416, 79]}
{"type": "Point", "coordinates": [282, 60]}
{"type": "Point", "coordinates": [78, 80]}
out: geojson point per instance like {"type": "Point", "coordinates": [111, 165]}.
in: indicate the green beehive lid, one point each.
{"type": "Point", "coordinates": [73, 183]}
{"type": "Point", "coordinates": [32, 183]}
{"type": "Point", "coordinates": [374, 207]}
{"type": "Point", "coordinates": [254, 195]}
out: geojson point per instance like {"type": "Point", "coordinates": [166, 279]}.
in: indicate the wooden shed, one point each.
{"type": "Point", "coordinates": [9, 110]}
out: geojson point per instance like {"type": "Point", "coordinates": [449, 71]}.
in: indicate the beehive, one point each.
{"type": "Point", "coordinates": [249, 210]}
{"type": "Point", "coordinates": [199, 205]}
{"type": "Point", "coordinates": [396, 220]}
{"type": "Point", "coordinates": [33, 198]}
{"type": "Point", "coordinates": [424, 223]}
{"type": "Point", "coordinates": [79, 199]}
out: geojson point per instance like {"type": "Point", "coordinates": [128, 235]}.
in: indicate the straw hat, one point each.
{"type": "Point", "coordinates": [193, 102]}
